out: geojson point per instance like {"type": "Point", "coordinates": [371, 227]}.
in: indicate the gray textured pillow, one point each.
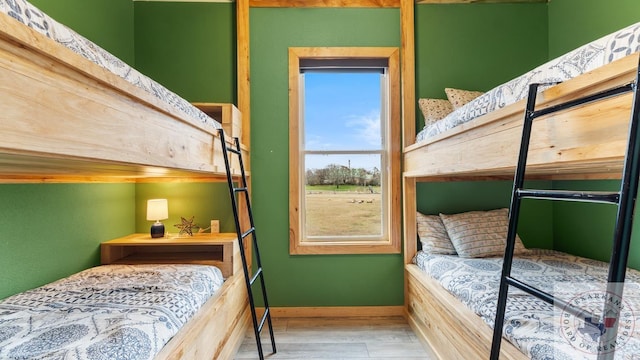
{"type": "Point", "coordinates": [433, 235]}
{"type": "Point", "coordinates": [480, 233]}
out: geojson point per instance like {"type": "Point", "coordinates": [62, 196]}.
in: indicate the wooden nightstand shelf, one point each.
{"type": "Point", "coordinates": [210, 249]}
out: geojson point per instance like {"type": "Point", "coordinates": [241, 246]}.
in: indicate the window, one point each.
{"type": "Point", "coordinates": [344, 150]}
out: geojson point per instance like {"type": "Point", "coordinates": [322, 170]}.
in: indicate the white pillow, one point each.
{"type": "Point", "coordinates": [480, 233]}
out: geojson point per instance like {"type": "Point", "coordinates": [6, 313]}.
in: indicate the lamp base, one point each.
{"type": "Point", "coordinates": [157, 230]}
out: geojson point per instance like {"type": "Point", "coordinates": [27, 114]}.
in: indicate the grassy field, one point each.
{"type": "Point", "coordinates": [348, 210]}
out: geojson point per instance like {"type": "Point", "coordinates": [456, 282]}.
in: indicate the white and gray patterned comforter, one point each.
{"type": "Point", "coordinates": [579, 61]}
{"type": "Point", "coordinates": [533, 325]}
{"type": "Point", "coordinates": [108, 312]}
{"type": "Point", "coordinates": [31, 16]}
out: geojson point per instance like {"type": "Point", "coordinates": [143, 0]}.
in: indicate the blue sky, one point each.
{"type": "Point", "coordinates": [342, 112]}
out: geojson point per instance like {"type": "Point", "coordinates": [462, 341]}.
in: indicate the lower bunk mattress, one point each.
{"type": "Point", "coordinates": [106, 312]}
{"type": "Point", "coordinates": [538, 329]}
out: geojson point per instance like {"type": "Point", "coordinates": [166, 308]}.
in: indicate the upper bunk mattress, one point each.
{"type": "Point", "coordinates": [535, 327]}
{"type": "Point", "coordinates": [107, 312]}
{"type": "Point", "coordinates": [579, 61]}
{"type": "Point", "coordinates": [31, 16]}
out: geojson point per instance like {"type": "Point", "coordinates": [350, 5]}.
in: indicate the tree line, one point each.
{"type": "Point", "coordinates": [334, 174]}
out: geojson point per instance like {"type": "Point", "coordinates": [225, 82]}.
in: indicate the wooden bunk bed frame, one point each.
{"type": "Point", "coordinates": [217, 330]}
{"type": "Point", "coordinates": [586, 143]}
{"type": "Point", "coordinates": [66, 119]}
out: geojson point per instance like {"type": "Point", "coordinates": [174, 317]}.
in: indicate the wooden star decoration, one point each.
{"type": "Point", "coordinates": [186, 226]}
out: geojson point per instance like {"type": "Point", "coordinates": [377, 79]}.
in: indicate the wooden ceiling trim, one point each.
{"type": "Point", "coordinates": [325, 3]}
{"type": "Point", "coordinates": [347, 3]}
{"type": "Point", "coordinates": [477, 1]}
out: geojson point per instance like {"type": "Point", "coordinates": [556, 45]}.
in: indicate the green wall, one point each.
{"type": "Point", "coordinates": [108, 23]}
{"type": "Point", "coordinates": [188, 47]}
{"type": "Point", "coordinates": [204, 201]}
{"type": "Point", "coordinates": [466, 46]}
{"type": "Point", "coordinates": [476, 46]}
{"type": "Point", "coordinates": [307, 280]}
{"type": "Point", "coordinates": [53, 230]}
{"type": "Point", "coordinates": [587, 229]}
{"type": "Point", "coordinates": [536, 217]}
{"type": "Point", "coordinates": [576, 22]}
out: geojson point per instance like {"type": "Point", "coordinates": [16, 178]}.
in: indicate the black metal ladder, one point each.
{"type": "Point", "coordinates": [624, 199]}
{"type": "Point", "coordinates": [259, 273]}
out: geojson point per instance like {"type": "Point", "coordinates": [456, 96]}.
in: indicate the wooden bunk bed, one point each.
{"type": "Point", "coordinates": [218, 328]}
{"type": "Point", "coordinates": [584, 143]}
{"type": "Point", "coordinates": [66, 119]}
{"type": "Point", "coordinates": [587, 143]}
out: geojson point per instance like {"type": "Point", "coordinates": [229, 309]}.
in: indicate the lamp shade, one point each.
{"type": "Point", "coordinates": [157, 209]}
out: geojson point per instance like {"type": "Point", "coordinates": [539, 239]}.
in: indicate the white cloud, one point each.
{"type": "Point", "coordinates": [318, 142]}
{"type": "Point", "coordinates": [367, 127]}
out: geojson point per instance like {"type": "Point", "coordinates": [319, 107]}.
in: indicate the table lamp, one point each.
{"type": "Point", "coordinates": [157, 209]}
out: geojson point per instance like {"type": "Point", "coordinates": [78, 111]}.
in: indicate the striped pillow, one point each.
{"type": "Point", "coordinates": [433, 235]}
{"type": "Point", "coordinates": [480, 233]}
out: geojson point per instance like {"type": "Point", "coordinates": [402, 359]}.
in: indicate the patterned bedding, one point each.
{"type": "Point", "coordinates": [108, 312]}
{"type": "Point", "coordinates": [583, 59]}
{"type": "Point", "coordinates": [535, 327]}
{"type": "Point", "coordinates": [31, 16]}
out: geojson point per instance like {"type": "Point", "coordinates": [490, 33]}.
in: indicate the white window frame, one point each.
{"type": "Point", "coordinates": [389, 241]}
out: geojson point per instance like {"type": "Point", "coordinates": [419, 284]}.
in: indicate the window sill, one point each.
{"type": "Point", "coordinates": [364, 247]}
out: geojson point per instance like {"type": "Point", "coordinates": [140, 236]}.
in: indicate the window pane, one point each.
{"type": "Point", "coordinates": [342, 111]}
{"type": "Point", "coordinates": [342, 195]}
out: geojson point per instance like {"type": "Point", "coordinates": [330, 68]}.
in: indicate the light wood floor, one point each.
{"type": "Point", "coordinates": [337, 338]}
